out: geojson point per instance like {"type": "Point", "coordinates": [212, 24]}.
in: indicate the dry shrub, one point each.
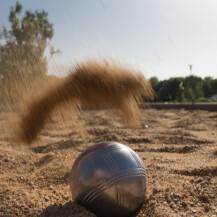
{"type": "Point", "coordinates": [22, 68]}
{"type": "Point", "coordinates": [90, 85]}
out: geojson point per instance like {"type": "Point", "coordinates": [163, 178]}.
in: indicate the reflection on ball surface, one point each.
{"type": "Point", "coordinates": [109, 178]}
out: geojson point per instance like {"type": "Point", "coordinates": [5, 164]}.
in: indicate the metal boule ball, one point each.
{"type": "Point", "coordinates": [109, 179]}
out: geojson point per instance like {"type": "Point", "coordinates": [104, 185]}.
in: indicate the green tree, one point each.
{"type": "Point", "coordinates": [214, 86]}
{"type": "Point", "coordinates": [207, 87]}
{"type": "Point", "coordinates": [167, 90]}
{"type": "Point", "coordinates": [188, 89]}
{"type": "Point", "coordinates": [154, 82]}
{"type": "Point", "coordinates": [22, 47]}
{"type": "Point", "coordinates": [192, 89]}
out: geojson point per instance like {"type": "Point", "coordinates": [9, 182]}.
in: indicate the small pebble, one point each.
{"type": "Point", "coordinates": [206, 208]}
{"type": "Point", "coordinates": [51, 187]}
{"type": "Point", "coordinates": [25, 193]}
{"type": "Point", "coordinates": [16, 203]}
{"type": "Point", "coordinates": [198, 180]}
{"type": "Point", "coordinates": [187, 187]}
{"type": "Point", "coordinates": [207, 178]}
{"type": "Point", "coordinates": [32, 203]}
{"type": "Point", "coordinates": [9, 198]}
{"type": "Point", "coordinates": [46, 199]}
{"type": "Point", "coordinates": [155, 191]}
{"type": "Point", "coordinates": [184, 204]}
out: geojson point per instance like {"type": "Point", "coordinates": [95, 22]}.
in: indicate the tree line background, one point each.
{"type": "Point", "coordinates": [185, 89]}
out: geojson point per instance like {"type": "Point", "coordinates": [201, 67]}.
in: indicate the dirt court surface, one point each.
{"type": "Point", "coordinates": [178, 147]}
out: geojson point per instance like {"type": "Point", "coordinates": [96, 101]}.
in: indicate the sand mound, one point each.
{"type": "Point", "coordinates": [92, 85]}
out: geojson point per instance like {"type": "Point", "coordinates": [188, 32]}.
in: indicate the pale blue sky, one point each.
{"type": "Point", "coordinates": [160, 37]}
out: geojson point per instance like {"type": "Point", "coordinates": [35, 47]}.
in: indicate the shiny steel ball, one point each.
{"type": "Point", "coordinates": [109, 179]}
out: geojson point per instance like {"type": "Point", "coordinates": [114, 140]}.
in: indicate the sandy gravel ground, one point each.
{"type": "Point", "coordinates": [178, 147]}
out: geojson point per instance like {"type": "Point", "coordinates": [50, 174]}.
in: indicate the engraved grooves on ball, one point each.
{"type": "Point", "coordinates": [138, 161]}
{"type": "Point", "coordinates": [124, 175]}
{"type": "Point", "coordinates": [88, 153]}
{"type": "Point", "coordinates": [112, 163]}
{"type": "Point", "coordinates": [109, 164]}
